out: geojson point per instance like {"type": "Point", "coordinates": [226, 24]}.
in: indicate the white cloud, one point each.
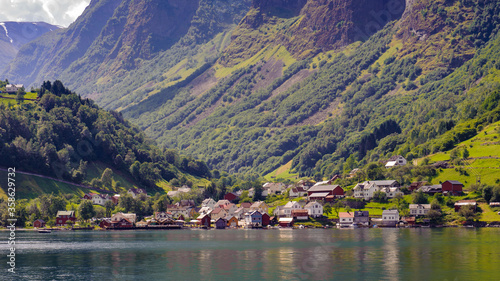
{"type": "Point", "coordinates": [58, 12]}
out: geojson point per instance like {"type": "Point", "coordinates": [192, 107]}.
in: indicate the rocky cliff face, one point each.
{"type": "Point", "coordinates": [319, 25]}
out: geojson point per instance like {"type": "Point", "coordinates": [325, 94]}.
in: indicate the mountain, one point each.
{"type": "Point", "coordinates": [113, 43]}
{"type": "Point", "coordinates": [13, 35]}
{"type": "Point", "coordinates": [318, 86]}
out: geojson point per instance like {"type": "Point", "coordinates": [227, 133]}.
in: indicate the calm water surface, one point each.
{"type": "Point", "coordinates": [308, 254]}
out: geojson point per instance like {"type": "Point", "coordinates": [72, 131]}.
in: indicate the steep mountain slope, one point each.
{"type": "Point", "coordinates": [13, 35]}
{"type": "Point", "coordinates": [311, 83]}
{"type": "Point", "coordinates": [318, 107]}
{"type": "Point", "coordinates": [118, 47]}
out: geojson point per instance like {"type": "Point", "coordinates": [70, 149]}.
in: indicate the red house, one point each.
{"type": "Point", "coordinates": [63, 216]}
{"type": "Point", "coordinates": [452, 187]}
{"type": "Point", "coordinates": [230, 196]}
{"type": "Point", "coordinates": [266, 219]}
{"type": "Point", "coordinates": [325, 192]}
{"type": "Point", "coordinates": [105, 223]}
{"type": "Point", "coordinates": [122, 223]}
{"type": "Point", "coordinates": [88, 196]}
{"type": "Point", "coordinates": [204, 220]}
{"type": "Point", "coordinates": [39, 223]}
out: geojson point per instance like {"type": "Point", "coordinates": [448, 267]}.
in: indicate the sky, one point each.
{"type": "Point", "coordinates": [57, 12]}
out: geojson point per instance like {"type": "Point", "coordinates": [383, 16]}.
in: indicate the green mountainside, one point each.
{"type": "Point", "coordinates": [72, 140]}
{"type": "Point", "coordinates": [307, 87]}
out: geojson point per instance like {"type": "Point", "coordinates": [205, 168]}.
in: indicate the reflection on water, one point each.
{"type": "Point", "coordinates": [319, 254]}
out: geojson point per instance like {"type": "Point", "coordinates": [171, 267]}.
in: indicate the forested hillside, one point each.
{"type": "Point", "coordinates": [66, 137]}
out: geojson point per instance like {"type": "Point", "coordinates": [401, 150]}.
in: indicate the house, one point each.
{"type": "Point", "coordinates": [279, 212]}
{"type": "Point", "coordinates": [230, 208]}
{"type": "Point", "coordinates": [162, 215]}
{"type": "Point", "coordinates": [232, 222]}
{"type": "Point", "coordinates": [116, 199]}
{"type": "Point", "coordinates": [204, 220]}
{"type": "Point", "coordinates": [411, 221]}
{"type": "Point", "coordinates": [205, 210]}
{"type": "Point", "coordinates": [300, 214]}
{"type": "Point", "coordinates": [416, 185]}
{"type": "Point", "coordinates": [314, 209]}
{"type": "Point", "coordinates": [39, 223]}
{"type": "Point", "coordinates": [231, 196]}
{"type": "Point", "coordinates": [105, 223]}
{"type": "Point", "coordinates": [134, 192]}
{"type": "Point", "coordinates": [259, 206]}
{"type": "Point", "coordinates": [218, 213]}
{"type": "Point", "coordinates": [246, 205]}
{"type": "Point", "coordinates": [63, 216]}
{"type": "Point", "coordinates": [390, 217]}
{"type": "Point", "coordinates": [362, 218]}
{"type": "Point", "coordinates": [222, 203]}
{"type": "Point", "coordinates": [452, 187]}
{"type": "Point", "coordinates": [285, 222]}
{"type": "Point", "coordinates": [346, 219]}
{"type": "Point", "coordinates": [209, 202]}
{"type": "Point", "coordinates": [11, 88]}
{"type": "Point", "coordinates": [179, 211]}
{"type": "Point", "coordinates": [431, 189]}
{"type": "Point", "coordinates": [141, 224]}
{"type": "Point", "coordinates": [88, 196]}
{"type": "Point", "coordinates": [266, 219]}
{"type": "Point", "coordinates": [239, 213]}
{"type": "Point", "coordinates": [325, 192]}
{"type": "Point", "coordinates": [118, 216]}
{"type": "Point", "coordinates": [253, 218]}
{"type": "Point", "coordinates": [396, 160]}
{"type": "Point", "coordinates": [366, 189]}
{"type": "Point", "coordinates": [186, 203]}
{"type": "Point", "coordinates": [353, 173]}
{"type": "Point", "coordinates": [274, 188]}
{"type": "Point", "coordinates": [100, 199]}
{"type": "Point", "coordinates": [306, 184]}
{"type": "Point", "coordinates": [121, 223]}
{"type": "Point", "coordinates": [220, 223]}
{"type": "Point", "coordinates": [462, 203]}
{"type": "Point", "coordinates": [419, 209]}
{"type": "Point", "coordinates": [298, 191]}
{"type": "Point", "coordinates": [288, 208]}
{"type": "Point", "coordinates": [494, 204]}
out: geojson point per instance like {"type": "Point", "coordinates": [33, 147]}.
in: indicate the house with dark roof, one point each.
{"type": "Point", "coordinates": [431, 189]}
{"type": "Point", "coordinates": [362, 218]}
{"type": "Point", "coordinates": [220, 223]}
{"type": "Point", "coordinates": [39, 223]}
{"type": "Point", "coordinates": [136, 191]}
{"type": "Point", "coordinates": [298, 191]}
{"type": "Point", "coordinates": [325, 192]}
{"type": "Point", "coordinates": [452, 187]}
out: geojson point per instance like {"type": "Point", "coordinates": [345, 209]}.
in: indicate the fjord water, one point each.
{"type": "Point", "coordinates": [302, 254]}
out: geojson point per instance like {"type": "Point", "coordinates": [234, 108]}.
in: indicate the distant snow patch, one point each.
{"type": "Point", "coordinates": [6, 31]}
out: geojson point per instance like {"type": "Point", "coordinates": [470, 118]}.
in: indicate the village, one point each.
{"type": "Point", "coordinates": [308, 204]}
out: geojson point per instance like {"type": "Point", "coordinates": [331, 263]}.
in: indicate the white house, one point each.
{"type": "Point", "coordinates": [314, 209]}
{"type": "Point", "coordinates": [390, 217]}
{"type": "Point", "coordinates": [346, 219]}
{"type": "Point", "coordinates": [10, 88]}
{"type": "Point", "coordinates": [292, 205]}
{"type": "Point", "coordinates": [396, 160]}
{"type": "Point", "coordinates": [119, 216]}
{"type": "Point", "coordinates": [136, 192]}
{"type": "Point", "coordinates": [419, 209]}
{"type": "Point", "coordinates": [274, 188]}
{"type": "Point", "coordinates": [366, 189]}
{"type": "Point", "coordinates": [100, 199]}
{"type": "Point", "coordinates": [298, 191]}
{"type": "Point", "coordinates": [209, 202]}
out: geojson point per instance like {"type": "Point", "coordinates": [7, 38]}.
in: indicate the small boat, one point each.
{"type": "Point", "coordinates": [44, 231]}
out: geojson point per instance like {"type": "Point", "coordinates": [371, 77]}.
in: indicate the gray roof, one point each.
{"type": "Point", "coordinates": [455, 182]}
{"type": "Point", "coordinates": [319, 188]}
{"type": "Point", "coordinates": [385, 182]}
{"type": "Point", "coordinates": [390, 212]}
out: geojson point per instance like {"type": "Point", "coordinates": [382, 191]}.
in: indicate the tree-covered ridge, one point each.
{"type": "Point", "coordinates": [62, 133]}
